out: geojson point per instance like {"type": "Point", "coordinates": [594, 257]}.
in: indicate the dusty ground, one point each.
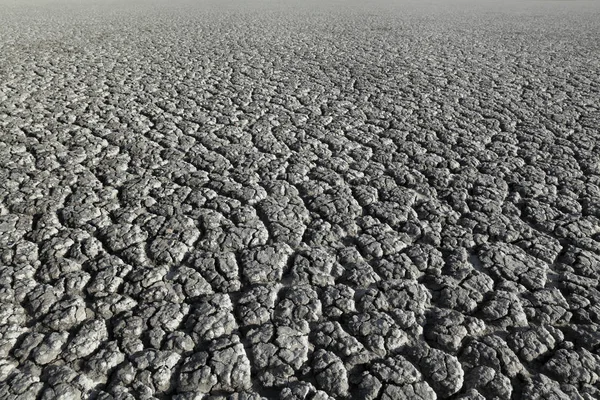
{"type": "Point", "coordinates": [398, 202]}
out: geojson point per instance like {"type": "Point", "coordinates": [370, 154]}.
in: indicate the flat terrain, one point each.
{"type": "Point", "coordinates": [281, 202]}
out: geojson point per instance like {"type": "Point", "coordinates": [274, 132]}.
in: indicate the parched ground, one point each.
{"type": "Point", "coordinates": [224, 202]}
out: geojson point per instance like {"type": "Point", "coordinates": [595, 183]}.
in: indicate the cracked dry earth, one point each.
{"type": "Point", "coordinates": [233, 204]}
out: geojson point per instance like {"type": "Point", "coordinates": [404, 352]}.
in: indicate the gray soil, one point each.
{"type": "Point", "coordinates": [204, 201]}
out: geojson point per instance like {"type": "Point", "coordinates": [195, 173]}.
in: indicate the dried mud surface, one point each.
{"type": "Point", "coordinates": [249, 204]}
